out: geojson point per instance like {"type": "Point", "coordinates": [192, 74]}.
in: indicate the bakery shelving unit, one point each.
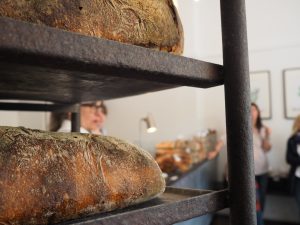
{"type": "Point", "coordinates": [47, 64]}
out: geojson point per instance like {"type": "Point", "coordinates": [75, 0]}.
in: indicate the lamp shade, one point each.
{"type": "Point", "coordinates": [149, 120]}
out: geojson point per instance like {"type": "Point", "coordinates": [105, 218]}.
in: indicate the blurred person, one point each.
{"type": "Point", "coordinates": [293, 159]}
{"type": "Point", "coordinates": [261, 146]}
{"type": "Point", "coordinates": [92, 118]}
{"type": "Point", "coordinates": [101, 121]}
{"type": "Point", "coordinates": [218, 147]}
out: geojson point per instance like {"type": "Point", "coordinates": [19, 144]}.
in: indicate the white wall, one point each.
{"type": "Point", "coordinates": [34, 120]}
{"type": "Point", "coordinates": [174, 112]}
{"type": "Point", "coordinates": [274, 45]}
{"type": "Point", "coordinates": [9, 118]}
{"type": "Point", "coordinates": [276, 60]}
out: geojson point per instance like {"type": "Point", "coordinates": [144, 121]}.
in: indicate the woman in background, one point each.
{"type": "Point", "coordinates": [261, 145]}
{"type": "Point", "coordinates": [92, 117]}
{"type": "Point", "coordinates": [293, 158]}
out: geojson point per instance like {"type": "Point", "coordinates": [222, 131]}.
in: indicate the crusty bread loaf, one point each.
{"type": "Point", "coordinates": [50, 177]}
{"type": "Point", "coordinates": [149, 23]}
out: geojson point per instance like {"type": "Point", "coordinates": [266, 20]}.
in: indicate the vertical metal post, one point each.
{"type": "Point", "coordinates": [237, 99]}
{"type": "Point", "coordinates": [75, 119]}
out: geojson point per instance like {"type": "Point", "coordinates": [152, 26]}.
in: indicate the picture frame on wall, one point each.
{"type": "Point", "coordinates": [291, 92]}
{"type": "Point", "coordinates": [260, 87]}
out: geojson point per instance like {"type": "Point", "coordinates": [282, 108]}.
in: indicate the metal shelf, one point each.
{"type": "Point", "coordinates": [44, 63]}
{"type": "Point", "coordinates": [172, 206]}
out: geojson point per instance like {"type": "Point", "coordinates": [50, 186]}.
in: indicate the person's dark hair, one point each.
{"type": "Point", "coordinates": [104, 108]}
{"type": "Point", "coordinates": [56, 120]}
{"type": "Point", "coordinates": [258, 124]}
{"type": "Point", "coordinates": [98, 105]}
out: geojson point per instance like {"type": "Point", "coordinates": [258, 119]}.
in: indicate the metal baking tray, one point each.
{"type": "Point", "coordinates": [172, 206]}
{"type": "Point", "coordinates": [43, 63]}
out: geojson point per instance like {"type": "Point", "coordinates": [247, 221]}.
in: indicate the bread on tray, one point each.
{"type": "Point", "coordinates": [148, 23]}
{"type": "Point", "coordinates": [51, 177]}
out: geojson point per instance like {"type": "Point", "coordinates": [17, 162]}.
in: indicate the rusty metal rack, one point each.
{"type": "Point", "coordinates": [173, 205]}
{"type": "Point", "coordinates": [55, 65]}
{"type": "Point", "coordinates": [48, 64]}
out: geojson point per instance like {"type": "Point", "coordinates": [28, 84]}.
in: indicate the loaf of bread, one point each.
{"type": "Point", "coordinates": [148, 23]}
{"type": "Point", "coordinates": [51, 177]}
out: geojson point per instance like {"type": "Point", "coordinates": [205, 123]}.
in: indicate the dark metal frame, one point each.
{"type": "Point", "coordinates": [237, 101]}
{"type": "Point", "coordinates": [74, 109]}
{"type": "Point", "coordinates": [39, 107]}
{"type": "Point", "coordinates": [31, 59]}
{"type": "Point", "coordinates": [174, 205]}
{"type": "Point", "coordinates": [88, 68]}
{"type": "Point", "coordinates": [284, 93]}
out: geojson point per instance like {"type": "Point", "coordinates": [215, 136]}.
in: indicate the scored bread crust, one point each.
{"type": "Point", "coordinates": [148, 23]}
{"type": "Point", "coordinates": [51, 177]}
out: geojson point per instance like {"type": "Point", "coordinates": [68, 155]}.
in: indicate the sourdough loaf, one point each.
{"type": "Point", "coordinates": [50, 177]}
{"type": "Point", "coordinates": [148, 23]}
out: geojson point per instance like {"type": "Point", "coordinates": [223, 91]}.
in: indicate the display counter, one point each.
{"type": "Point", "coordinates": [201, 176]}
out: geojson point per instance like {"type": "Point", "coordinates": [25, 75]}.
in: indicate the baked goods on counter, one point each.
{"type": "Point", "coordinates": [169, 162]}
{"type": "Point", "coordinates": [50, 177]}
{"type": "Point", "coordinates": [180, 155]}
{"type": "Point", "coordinates": [148, 23]}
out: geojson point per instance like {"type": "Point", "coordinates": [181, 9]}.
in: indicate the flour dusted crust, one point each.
{"type": "Point", "coordinates": [50, 177]}
{"type": "Point", "coordinates": [149, 23]}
